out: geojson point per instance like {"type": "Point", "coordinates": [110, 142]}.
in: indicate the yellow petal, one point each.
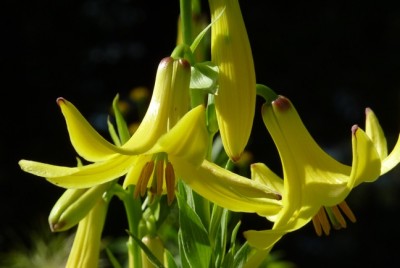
{"type": "Point", "coordinates": [188, 139]}
{"type": "Point", "coordinates": [236, 96]}
{"type": "Point", "coordinates": [393, 159]}
{"type": "Point", "coordinates": [87, 142]}
{"type": "Point", "coordinates": [228, 189]}
{"type": "Point", "coordinates": [375, 132]}
{"type": "Point", "coordinates": [261, 173]}
{"type": "Point", "coordinates": [169, 102]}
{"type": "Point", "coordinates": [86, 248]}
{"type": "Point", "coordinates": [366, 166]}
{"type": "Point", "coordinates": [81, 177]}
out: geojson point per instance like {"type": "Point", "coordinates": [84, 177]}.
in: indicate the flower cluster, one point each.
{"type": "Point", "coordinates": [202, 109]}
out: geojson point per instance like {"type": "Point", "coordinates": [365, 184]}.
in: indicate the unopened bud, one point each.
{"type": "Point", "coordinates": [73, 206]}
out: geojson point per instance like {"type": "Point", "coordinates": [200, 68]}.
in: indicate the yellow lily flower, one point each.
{"type": "Point", "coordinates": [236, 96]}
{"type": "Point", "coordinates": [312, 178]}
{"type": "Point", "coordinates": [164, 137]}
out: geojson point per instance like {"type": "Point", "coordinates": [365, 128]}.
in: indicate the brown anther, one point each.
{"type": "Point", "coordinates": [144, 178]}
{"type": "Point", "coordinates": [170, 182]}
{"type": "Point", "coordinates": [323, 221]}
{"type": "Point", "coordinates": [347, 211]}
{"type": "Point", "coordinates": [160, 176]}
{"type": "Point", "coordinates": [339, 218]}
{"type": "Point", "coordinates": [337, 221]}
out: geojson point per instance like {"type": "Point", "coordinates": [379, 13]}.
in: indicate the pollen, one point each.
{"type": "Point", "coordinates": [328, 217]}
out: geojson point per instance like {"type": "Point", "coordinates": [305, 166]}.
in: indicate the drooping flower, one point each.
{"type": "Point", "coordinates": [312, 179]}
{"type": "Point", "coordinates": [236, 95]}
{"type": "Point", "coordinates": [165, 136]}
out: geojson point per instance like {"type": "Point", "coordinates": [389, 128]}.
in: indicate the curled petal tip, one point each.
{"type": "Point", "coordinates": [60, 100]}
{"type": "Point", "coordinates": [55, 227]}
{"type": "Point", "coordinates": [282, 103]}
{"type": "Point", "coordinates": [354, 129]}
{"type": "Point", "coordinates": [368, 110]}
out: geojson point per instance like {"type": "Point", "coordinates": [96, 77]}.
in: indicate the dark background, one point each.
{"type": "Point", "coordinates": [331, 58]}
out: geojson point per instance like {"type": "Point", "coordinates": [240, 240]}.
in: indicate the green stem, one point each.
{"type": "Point", "coordinates": [134, 214]}
{"type": "Point", "coordinates": [186, 21]}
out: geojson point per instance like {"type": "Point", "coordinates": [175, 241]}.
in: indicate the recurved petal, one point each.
{"type": "Point", "coordinates": [81, 177]}
{"type": "Point", "coordinates": [188, 139]}
{"type": "Point", "coordinates": [263, 174]}
{"type": "Point", "coordinates": [392, 160]}
{"type": "Point", "coordinates": [267, 238]}
{"type": "Point", "coordinates": [366, 164]}
{"type": "Point", "coordinates": [228, 189]}
{"type": "Point", "coordinates": [87, 142]}
{"type": "Point", "coordinates": [375, 132]}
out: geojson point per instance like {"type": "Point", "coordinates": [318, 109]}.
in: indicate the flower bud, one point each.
{"type": "Point", "coordinates": [156, 246]}
{"type": "Point", "coordinates": [73, 206]}
{"type": "Point", "coordinates": [236, 96]}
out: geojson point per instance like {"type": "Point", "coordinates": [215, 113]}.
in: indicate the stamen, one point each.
{"type": "Point", "coordinates": [326, 227]}
{"type": "Point", "coordinates": [336, 219]}
{"type": "Point", "coordinates": [340, 221]}
{"type": "Point", "coordinates": [347, 211]}
{"type": "Point", "coordinates": [170, 182]}
{"type": "Point", "coordinates": [144, 178]}
{"type": "Point", "coordinates": [160, 176]}
{"type": "Point", "coordinates": [317, 225]}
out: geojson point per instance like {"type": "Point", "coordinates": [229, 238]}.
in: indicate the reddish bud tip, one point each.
{"type": "Point", "coordinates": [185, 64]}
{"type": "Point", "coordinates": [60, 100]}
{"type": "Point", "coordinates": [165, 62]}
{"type": "Point", "coordinates": [354, 129]}
{"type": "Point", "coordinates": [282, 103]}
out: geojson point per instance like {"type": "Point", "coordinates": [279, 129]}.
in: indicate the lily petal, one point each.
{"type": "Point", "coordinates": [228, 189]}
{"type": "Point", "coordinates": [81, 177]}
{"type": "Point", "coordinates": [312, 178]}
{"type": "Point", "coordinates": [188, 139]}
{"type": "Point", "coordinates": [375, 132]}
{"type": "Point", "coordinates": [87, 142]}
{"type": "Point", "coordinates": [393, 159]}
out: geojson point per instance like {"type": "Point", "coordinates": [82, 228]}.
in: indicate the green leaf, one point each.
{"type": "Point", "coordinates": [170, 260]}
{"type": "Point", "coordinates": [122, 127]}
{"type": "Point", "coordinates": [193, 236]}
{"type": "Point", "coordinates": [204, 76]}
{"type": "Point", "coordinates": [113, 133]}
{"type": "Point", "coordinates": [241, 256]}
{"type": "Point", "coordinates": [113, 260]}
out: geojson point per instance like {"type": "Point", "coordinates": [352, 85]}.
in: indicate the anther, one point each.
{"type": "Point", "coordinates": [170, 182]}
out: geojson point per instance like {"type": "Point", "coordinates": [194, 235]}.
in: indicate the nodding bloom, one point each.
{"type": "Point", "coordinates": [314, 185]}
{"type": "Point", "coordinates": [165, 136]}
{"type": "Point", "coordinates": [236, 95]}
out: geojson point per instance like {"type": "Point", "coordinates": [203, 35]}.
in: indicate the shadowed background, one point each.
{"type": "Point", "coordinates": [332, 59]}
